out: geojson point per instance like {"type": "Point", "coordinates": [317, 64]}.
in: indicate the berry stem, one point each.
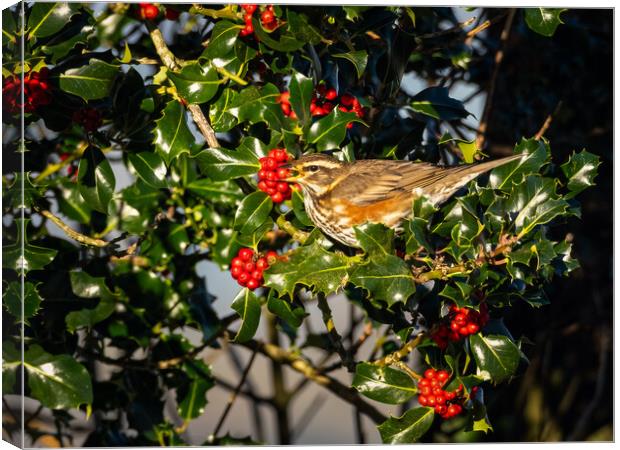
{"type": "Point", "coordinates": [401, 365]}
{"type": "Point", "coordinates": [287, 226]}
{"type": "Point", "coordinates": [399, 354]}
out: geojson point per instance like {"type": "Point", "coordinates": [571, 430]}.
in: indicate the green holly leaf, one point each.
{"type": "Point", "coordinates": [254, 104]}
{"type": "Point", "coordinates": [298, 25]}
{"type": "Point", "coordinates": [89, 82]}
{"type": "Point", "coordinates": [353, 13]}
{"type": "Point", "coordinates": [172, 136]}
{"type": "Point", "coordinates": [71, 204]}
{"type": "Point", "coordinates": [458, 293]}
{"type": "Point", "coordinates": [287, 42]}
{"type": "Point", "coordinates": [195, 83]}
{"type": "Point", "coordinates": [222, 40]}
{"type": "Point", "coordinates": [386, 277]}
{"type": "Point", "coordinates": [252, 212]}
{"type": "Point", "coordinates": [437, 103]}
{"type": "Point", "coordinates": [60, 50]}
{"type": "Point", "coordinates": [375, 238]}
{"type": "Point", "coordinates": [57, 381]}
{"type": "Point", "coordinates": [11, 359]}
{"type": "Point", "coordinates": [193, 399]}
{"type": "Point", "coordinates": [149, 167]}
{"type": "Point", "coordinates": [247, 305]}
{"type": "Point", "coordinates": [96, 179]}
{"type": "Point", "coordinates": [469, 149]}
{"type": "Point", "coordinates": [383, 384]}
{"type": "Point", "coordinates": [359, 59]}
{"type": "Point", "coordinates": [408, 428]}
{"type": "Point", "coordinates": [301, 89]}
{"type": "Point", "coordinates": [580, 169]}
{"type": "Point", "coordinates": [534, 202]}
{"type": "Point", "coordinates": [48, 18]}
{"type": "Point", "coordinates": [497, 357]}
{"type": "Point", "coordinates": [33, 257]}
{"type": "Point", "coordinates": [536, 156]}
{"type": "Point", "coordinates": [12, 300]}
{"type": "Point", "coordinates": [311, 266]}
{"type": "Point", "coordinates": [87, 286]}
{"type": "Point", "coordinates": [219, 114]}
{"type": "Point", "coordinates": [216, 191]}
{"type": "Point", "coordinates": [328, 132]}
{"type": "Point", "coordinates": [543, 20]}
{"type": "Point", "coordinates": [221, 164]}
{"type": "Point", "coordinates": [13, 193]}
{"type": "Point", "coordinates": [285, 311]}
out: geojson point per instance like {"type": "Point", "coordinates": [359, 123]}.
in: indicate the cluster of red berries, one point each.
{"type": "Point", "coordinates": [272, 173]}
{"type": "Point", "coordinates": [460, 322]}
{"type": "Point", "coordinates": [446, 403]}
{"type": "Point", "coordinates": [89, 118]}
{"type": "Point", "coordinates": [267, 18]}
{"type": "Point", "coordinates": [323, 102]}
{"type": "Point", "coordinates": [36, 91]}
{"type": "Point", "coordinates": [247, 267]}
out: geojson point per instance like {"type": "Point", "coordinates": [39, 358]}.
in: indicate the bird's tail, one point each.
{"type": "Point", "coordinates": [459, 176]}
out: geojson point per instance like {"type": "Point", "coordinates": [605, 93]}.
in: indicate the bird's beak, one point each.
{"type": "Point", "coordinates": [296, 174]}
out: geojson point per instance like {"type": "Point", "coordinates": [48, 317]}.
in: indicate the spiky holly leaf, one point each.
{"type": "Point", "coordinates": [497, 357]}
{"type": "Point", "coordinates": [543, 20]}
{"type": "Point", "coordinates": [13, 300]}
{"type": "Point", "coordinates": [196, 83]}
{"type": "Point", "coordinates": [57, 381]}
{"type": "Point", "coordinates": [580, 169]}
{"type": "Point", "coordinates": [301, 89]}
{"type": "Point", "coordinates": [408, 428]}
{"type": "Point", "coordinates": [536, 154]}
{"type": "Point", "coordinates": [33, 257]}
{"type": "Point", "coordinates": [87, 286]}
{"type": "Point", "coordinates": [437, 103]}
{"type": "Point", "coordinates": [247, 305]}
{"type": "Point", "coordinates": [171, 133]}
{"type": "Point", "coordinates": [385, 276]}
{"type": "Point", "coordinates": [328, 132]}
{"type": "Point", "coordinates": [223, 164]}
{"type": "Point", "coordinates": [383, 384]}
{"type": "Point", "coordinates": [311, 266]}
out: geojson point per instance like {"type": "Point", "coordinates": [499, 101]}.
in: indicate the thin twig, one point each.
{"type": "Point", "coordinates": [499, 56]}
{"type": "Point", "coordinates": [332, 333]}
{"type": "Point", "coordinates": [234, 395]}
{"type": "Point", "coordinates": [545, 126]}
{"type": "Point", "coordinates": [79, 237]}
{"type": "Point", "coordinates": [399, 354]}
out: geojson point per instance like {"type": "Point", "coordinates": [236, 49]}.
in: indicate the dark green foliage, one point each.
{"type": "Point", "coordinates": [193, 197]}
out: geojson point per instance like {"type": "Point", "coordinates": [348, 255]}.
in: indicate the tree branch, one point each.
{"type": "Point", "coordinates": [301, 365]}
{"type": "Point", "coordinates": [499, 56]}
{"type": "Point", "coordinates": [332, 333]}
{"type": "Point", "coordinates": [174, 64]}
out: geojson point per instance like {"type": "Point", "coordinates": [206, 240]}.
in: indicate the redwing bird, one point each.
{"type": "Point", "coordinates": [341, 195]}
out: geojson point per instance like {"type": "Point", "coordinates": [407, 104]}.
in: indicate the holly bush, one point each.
{"type": "Point", "coordinates": [200, 107]}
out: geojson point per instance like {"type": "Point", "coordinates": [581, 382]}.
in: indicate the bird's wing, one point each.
{"type": "Point", "coordinates": [373, 182]}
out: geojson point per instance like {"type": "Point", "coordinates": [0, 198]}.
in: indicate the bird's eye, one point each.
{"type": "Point", "coordinates": [313, 168]}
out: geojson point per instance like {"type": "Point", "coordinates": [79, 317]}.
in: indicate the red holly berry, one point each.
{"type": "Point", "coordinates": [267, 17]}
{"type": "Point", "coordinates": [148, 11]}
{"type": "Point", "coordinates": [249, 8]}
{"type": "Point", "coordinates": [245, 254]}
{"type": "Point", "coordinates": [331, 94]}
